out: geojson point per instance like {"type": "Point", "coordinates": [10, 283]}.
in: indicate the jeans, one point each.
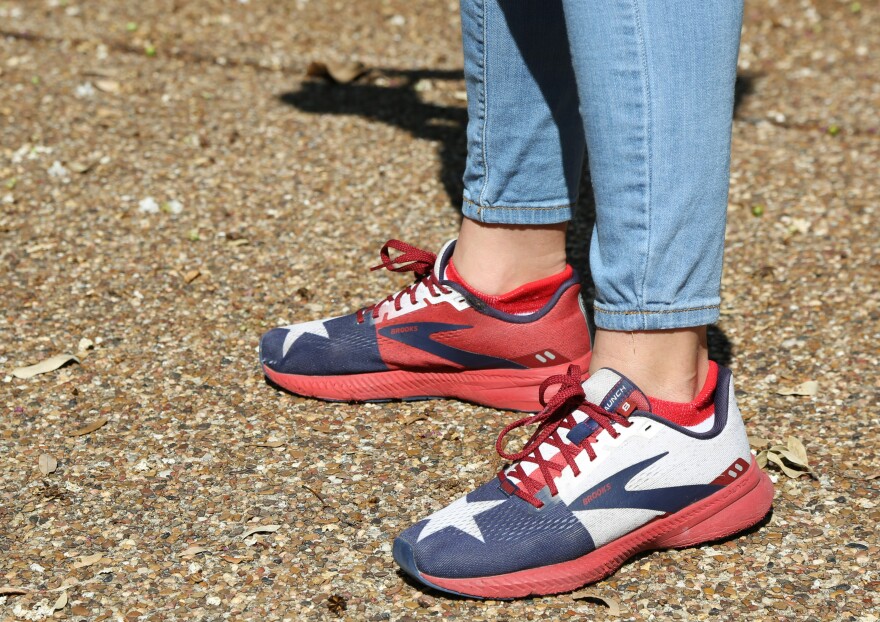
{"type": "Point", "coordinates": [646, 86]}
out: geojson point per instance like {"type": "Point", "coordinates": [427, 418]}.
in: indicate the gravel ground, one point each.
{"type": "Point", "coordinates": [172, 185]}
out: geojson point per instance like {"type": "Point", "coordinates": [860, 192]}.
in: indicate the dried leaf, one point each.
{"type": "Point", "coordinates": [68, 583]}
{"type": "Point", "coordinates": [758, 442]}
{"type": "Point", "coordinates": [108, 86]}
{"type": "Point", "coordinates": [316, 70]}
{"type": "Point", "coordinates": [79, 610]}
{"type": "Point", "coordinates": [191, 276]}
{"type": "Point", "coordinates": [761, 459]}
{"type": "Point", "coordinates": [337, 604]}
{"type": "Point", "coordinates": [8, 590]}
{"type": "Point", "coordinates": [413, 418]}
{"type": "Point", "coordinates": [793, 458]}
{"type": "Point", "coordinates": [778, 461]}
{"type": "Point", "coordinates": [316, 493]}
{"type": "Point", "coordinates": [82, 167]}
{"type": "Point", "coordinates": [50, 364]}
{"type": "Point", "coordinates": [261, 529]}
{"type": "Point", "coordinates": [239, 242]}
{"type": "Point", "coordinates": [94, 425]}
{"type": "Point", "coordinates": [47, 464]}
{"type": "Point", "coordinates": [193, 550]}
{"type": "Point", "coordinates": [346, 72]}
{"type": "Point", "coordinates": [39, 248]}
{"type": "Point", "coordinates": [61, 603]}
{"type": "Point", "coordinates": [592, 594]}
{"type": "Point", "coordinates": [88, 560]}
{"type": "Point", "coordinates": [271, 443]}
{"type": "Point", "coordinates": [342, 73]}
{"type": "Point", "coordinates": [233, 560]}
{"type": "Point", "coordinates": [796, 447]}
{"type": "Point", "coordinates": [391, 591]}
{"type": "Point", "coordinates": [808, 388]}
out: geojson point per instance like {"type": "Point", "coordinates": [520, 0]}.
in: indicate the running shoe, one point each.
{"type": "Point", "coordinates": [434, 338]}
{"type": "Point", "coordinates": [601, 480]}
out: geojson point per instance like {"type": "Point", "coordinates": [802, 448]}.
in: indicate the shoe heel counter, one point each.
{"type": "Point", "coordinates": [583, 308]}
{"type": "Point", "coordinates": [735, 429]}
{"type": "Point", "coordinates": [575, 321]}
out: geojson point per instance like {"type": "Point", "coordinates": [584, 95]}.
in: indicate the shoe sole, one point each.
{"type": "Point", "coordinates": [506, 389]}
{"type": "Point", "coordinates": [738, 506]}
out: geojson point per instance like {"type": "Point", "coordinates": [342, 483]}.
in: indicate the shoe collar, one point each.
{"type": "Point", "coordinates": [443, 258]}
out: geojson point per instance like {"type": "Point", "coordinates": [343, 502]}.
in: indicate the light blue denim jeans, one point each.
{"type": "Point", "coordinates": [647, 87]}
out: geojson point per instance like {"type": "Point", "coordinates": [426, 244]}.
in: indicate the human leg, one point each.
{"type": "Point", "coordinates": [611, 470]}
{"type": "Point", "coordinates": [669, 364]}
{"type": "Point", "coordinates": [656, 88]}
{"type": "Point", "coordinates": [525, 143]}
{"type": "Point", "coordinates": [497, 258]}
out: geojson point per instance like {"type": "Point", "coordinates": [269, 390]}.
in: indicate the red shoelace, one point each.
{"type": "Point", "coordinates": [410, 259]}
{"type": "Point", "coordinates": [557, 412]}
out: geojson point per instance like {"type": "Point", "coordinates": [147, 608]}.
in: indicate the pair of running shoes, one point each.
{"type": "Point", "coordinates": [602, 478]}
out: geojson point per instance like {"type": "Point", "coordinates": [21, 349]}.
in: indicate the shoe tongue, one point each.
{"type": "Point", "coordinates": [611, 391]}
{"type": "Point", "coordinates": [615, 393]}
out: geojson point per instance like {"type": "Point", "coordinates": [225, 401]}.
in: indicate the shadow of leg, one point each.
{"type": "Point", "coordinates": [398, 104]}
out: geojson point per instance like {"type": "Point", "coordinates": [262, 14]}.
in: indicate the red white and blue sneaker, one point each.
{"type": "Point", "coordinates": [602, 479]}
{"type": "Point", "coordinates": [435, 338]}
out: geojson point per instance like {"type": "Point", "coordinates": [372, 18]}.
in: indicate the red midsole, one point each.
{"type": "Point", "coordinates": [502, 388]}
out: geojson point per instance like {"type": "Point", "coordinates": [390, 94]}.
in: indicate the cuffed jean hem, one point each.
{"type": "Point", "coordinates": [656, 320]}
{"type": "Point", "coordinates": [516, 214]}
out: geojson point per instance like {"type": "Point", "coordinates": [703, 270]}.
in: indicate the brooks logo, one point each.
{"type": "Point", "coordinates": [419, 335]}
{"type": "Point", "coordinates": [597, 493]}
{"type": "Point", "coordinates": [404, 329]}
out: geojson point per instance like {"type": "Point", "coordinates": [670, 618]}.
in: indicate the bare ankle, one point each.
{"type": "Point", "coordinates": [496, 259]}
{"type": "Point", "coordinates": [666, 364]}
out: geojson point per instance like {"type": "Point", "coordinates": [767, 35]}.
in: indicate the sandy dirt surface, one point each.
{"type": "Point", "coordinates": [172, 185]}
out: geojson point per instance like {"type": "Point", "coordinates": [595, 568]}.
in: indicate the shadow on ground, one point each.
{"type": "Point", "coordinates": [390, 96]}
{"type": "Point", "coordinates": [393, 99]}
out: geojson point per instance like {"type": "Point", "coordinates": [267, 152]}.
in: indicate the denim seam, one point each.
{"type": "Point", "coordinates": [485, 99]}
{"type": "Point", "coordinates": [517, 207]}
{"type": "Point", "coordinates": [661, 312]}
{"type": "Point", "coordinates": [648, 121]}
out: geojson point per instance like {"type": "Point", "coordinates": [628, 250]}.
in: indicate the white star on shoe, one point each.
{"type": "Point", "coordinates": [459, 515]}
{"type": "Point", "coordinates": [298, 330]}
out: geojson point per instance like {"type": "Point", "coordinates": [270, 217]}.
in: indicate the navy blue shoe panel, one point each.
{"type": "Point", "coordinates": [348, 348]}
{"type": "Point", "coordinates": [490, 491]}
{"type": "Point", "coordinates": [405, 558]}
{"type": "Point", "coordinates": [516, 536]}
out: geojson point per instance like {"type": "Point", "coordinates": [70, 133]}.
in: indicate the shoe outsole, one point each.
{"type": "Point", "coordinates": [735, 508]}
{"type": "Point", "coordinates": [505, 389]}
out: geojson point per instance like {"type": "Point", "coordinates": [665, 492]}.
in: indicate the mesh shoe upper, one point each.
{"type": "Point", "coordinates": [491, 532]}
{"type": "Point", "coordinates": [340, 345]}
